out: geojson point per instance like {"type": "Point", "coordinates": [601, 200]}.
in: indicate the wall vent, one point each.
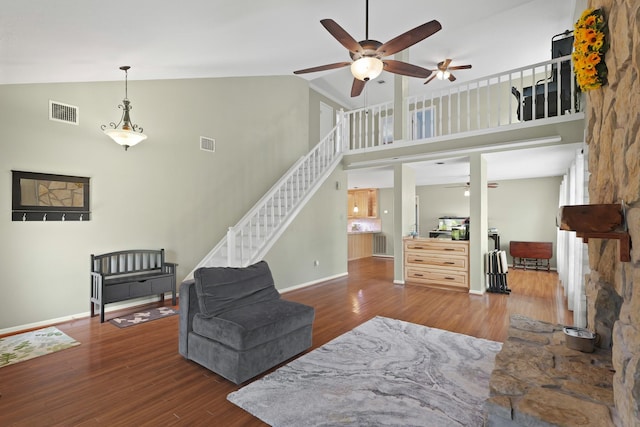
{"type": "Point", "coordinates": [207, 144]}
{"type": "Point", "coordinates": [65, 113]}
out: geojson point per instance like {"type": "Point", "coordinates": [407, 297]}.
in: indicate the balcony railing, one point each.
{"type": "Point", "coordinates": [537, 92]}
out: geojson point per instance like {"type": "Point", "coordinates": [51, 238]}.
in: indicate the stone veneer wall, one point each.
{"type": "Point", "coordinates": [613, 138]}
{"type": "Point", "coordinates": [539, 382]}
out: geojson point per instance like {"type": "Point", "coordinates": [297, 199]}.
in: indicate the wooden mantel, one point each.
{"type": "Point", "coordinates": [601, 221]}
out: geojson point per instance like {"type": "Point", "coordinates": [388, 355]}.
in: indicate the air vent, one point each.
{"type": "Point", "coordinates": [65, 113]}
{"type": "Point", "coordinates": [207, 144]}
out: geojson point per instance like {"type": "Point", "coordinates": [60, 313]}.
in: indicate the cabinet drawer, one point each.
{"type": "Point", "coordinates": [460, 248]}
{"type": "Point", "coordinates": [140, 289]}
{"type": "Point", "coordinates": [440, 277]}
{"type": "Point", "coordinates": [437, 259]}
{"type": "Point", "coordinates": [114, 293]}
{"type": "Point", "coordinates": [161, 285]}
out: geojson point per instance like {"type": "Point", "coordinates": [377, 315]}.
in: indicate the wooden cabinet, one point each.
{"type": "Point", "coordinates": [438, 263]}
{"type": "Point", "coordinates": [366, 199]}
{"type": "Point", "coordinates": [360, 245]}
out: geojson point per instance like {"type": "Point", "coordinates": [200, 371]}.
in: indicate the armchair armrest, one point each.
{"type": "Point", "coordinates": [188, 309]}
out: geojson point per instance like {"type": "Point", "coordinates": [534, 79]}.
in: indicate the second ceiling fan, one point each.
{"type": "Point", "coordinates": [368, 55]}
{"type": "Point", "coordinates": [444, 71]}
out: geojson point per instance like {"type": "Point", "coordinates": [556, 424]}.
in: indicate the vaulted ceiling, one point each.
{"type": "Point", "coordinates": [44, 41]}
{"type": "Point", "coordinates": [87, 40]}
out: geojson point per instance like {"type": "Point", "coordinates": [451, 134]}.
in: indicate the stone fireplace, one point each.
{"type": "Point", "coordinates": [613, 138]}
{"type": "Point", "coordinates": [613, 302]}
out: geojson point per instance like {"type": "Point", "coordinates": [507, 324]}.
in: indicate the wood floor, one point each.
{"type": "Point", "coordinates": [135, 376]}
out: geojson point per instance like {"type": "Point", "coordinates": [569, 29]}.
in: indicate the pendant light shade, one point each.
{"type": "Point", "coordinates": [442, 75]}
{"type": "Point", "coordinates": [366, 68]}
{"type": "Point", "coordinates": [124, 132]}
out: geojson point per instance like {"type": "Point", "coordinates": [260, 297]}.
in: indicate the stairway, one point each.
{"type": "Point", "coordinates": [251, 238]}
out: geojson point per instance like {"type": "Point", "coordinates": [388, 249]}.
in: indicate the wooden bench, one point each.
{"type": "Point", "coordinates": [531, 254]}
{"type": "Point", "coordinates": [123, 275]}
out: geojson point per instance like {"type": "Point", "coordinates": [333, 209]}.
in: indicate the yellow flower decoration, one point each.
{"type": "Point", "coordinates": [590, 45]}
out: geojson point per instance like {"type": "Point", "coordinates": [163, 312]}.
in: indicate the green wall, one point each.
{"type": "Point", "coordinates": [523, 209]}
{"type": "Point", "coordinates": [164, 193]}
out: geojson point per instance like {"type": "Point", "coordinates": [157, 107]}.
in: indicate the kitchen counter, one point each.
{"type": "Point", "coordinates": [364, 225]}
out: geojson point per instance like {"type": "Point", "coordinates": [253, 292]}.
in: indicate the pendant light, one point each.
{"type": "Point", "coordinates": [128, 134]}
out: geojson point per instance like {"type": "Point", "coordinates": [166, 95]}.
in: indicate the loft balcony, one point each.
{"type": "Point", "coordinates": [532, 105]}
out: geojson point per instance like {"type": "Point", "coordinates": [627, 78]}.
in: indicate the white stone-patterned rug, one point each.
{"type": "Point", "coordinates": [385, 372]}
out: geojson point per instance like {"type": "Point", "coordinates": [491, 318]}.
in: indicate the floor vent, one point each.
{"type": "Point", "coordinates": [64, 113]}
{"type": "Point", "coordinates": [207, 144]}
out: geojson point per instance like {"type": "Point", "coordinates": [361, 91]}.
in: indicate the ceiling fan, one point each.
{"type": "Point", "coordinates": [444, 71]}
{"type": "Point", "coordinates": [468, 185]}
{"type": "Point", "coordinates": [368, 55]}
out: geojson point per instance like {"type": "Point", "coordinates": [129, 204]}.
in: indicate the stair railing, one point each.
{"type": "Point", "coordinates": [256, 232]}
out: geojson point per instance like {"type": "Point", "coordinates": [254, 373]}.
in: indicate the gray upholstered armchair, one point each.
{"type": "Point", "coordinates": [233, 322]}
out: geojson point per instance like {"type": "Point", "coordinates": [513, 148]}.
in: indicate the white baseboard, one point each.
{"type": "Point", "coordinates": [313, 282]}
{"type": "Point", "coordinates": [111, 307]}
{"type": "Point", "coordinates": [398, 282]}
{"type": "Point", "coordinates": [473, 292]}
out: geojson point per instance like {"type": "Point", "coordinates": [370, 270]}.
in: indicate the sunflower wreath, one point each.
{"type": "Point", "coordinates": [589, 46]}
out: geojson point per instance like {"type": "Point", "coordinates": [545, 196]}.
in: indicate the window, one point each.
{"type": "Point", "coordinates": [422, 121]}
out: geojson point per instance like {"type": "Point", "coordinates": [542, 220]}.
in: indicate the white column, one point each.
{"type": "Point", "coordinates": [478, 240]}
{"type": "Point", "coordinates": [400, 93]}
{"type": "Point", "coordinates": [404, 218]}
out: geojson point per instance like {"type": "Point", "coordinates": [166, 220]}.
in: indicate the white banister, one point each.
{"type": "Point", "coordinates": [250, 239]}
{"type": "Point", "coordinates": [539, 91]}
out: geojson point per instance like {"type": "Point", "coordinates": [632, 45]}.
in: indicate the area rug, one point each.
{"type": "Point", "coordinates": [385, 372]}
{"type": "Point", "coordinates": [143, 316]}
{"type": "Point", "coordinates": [25, 346]}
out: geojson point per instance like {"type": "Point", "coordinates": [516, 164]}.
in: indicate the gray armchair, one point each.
{"type": "Point", "coordinates": [234, 323]}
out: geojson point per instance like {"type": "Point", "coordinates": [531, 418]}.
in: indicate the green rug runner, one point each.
{"type": "Point", "coordinates": [21, 347]}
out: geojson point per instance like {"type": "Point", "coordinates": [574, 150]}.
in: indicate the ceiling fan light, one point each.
{"type": "Point", "coordinates": [443, 74]}
{"type": "Point", "coordinates": [366, 68]}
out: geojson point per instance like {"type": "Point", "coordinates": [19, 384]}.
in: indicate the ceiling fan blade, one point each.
{"type": "Point", "coordinates": [341, 35]}
{"type": "Point", "coordinates": [489, 185]}
{"type": "Point", "coordinates": [452, 78]}
{"type": "Point", "coordinates": [356, 87]}
{"type": "Point", "coordinates": [409, 38]}
{"type": "Point", "coordinates": [460, 67]}
{"type": "Point", "coordinates": [323, 67]}
{"type": "Point", "coordinates": [444, 64]}
{"type": "Point", "coordinates": [406, 69]}
{"type": "Point", "coordinates": [430, 78]}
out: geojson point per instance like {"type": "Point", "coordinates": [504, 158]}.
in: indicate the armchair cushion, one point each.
{"type": "Point", "coordinates": [221, 289]}
{"type": "Point", "coordinates": [252, 325]}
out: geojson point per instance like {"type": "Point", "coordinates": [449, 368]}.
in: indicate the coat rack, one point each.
{"type": "Point", "coordinates": [598, 221]}
{"type": "Point", "coordinates": [42, 197]}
